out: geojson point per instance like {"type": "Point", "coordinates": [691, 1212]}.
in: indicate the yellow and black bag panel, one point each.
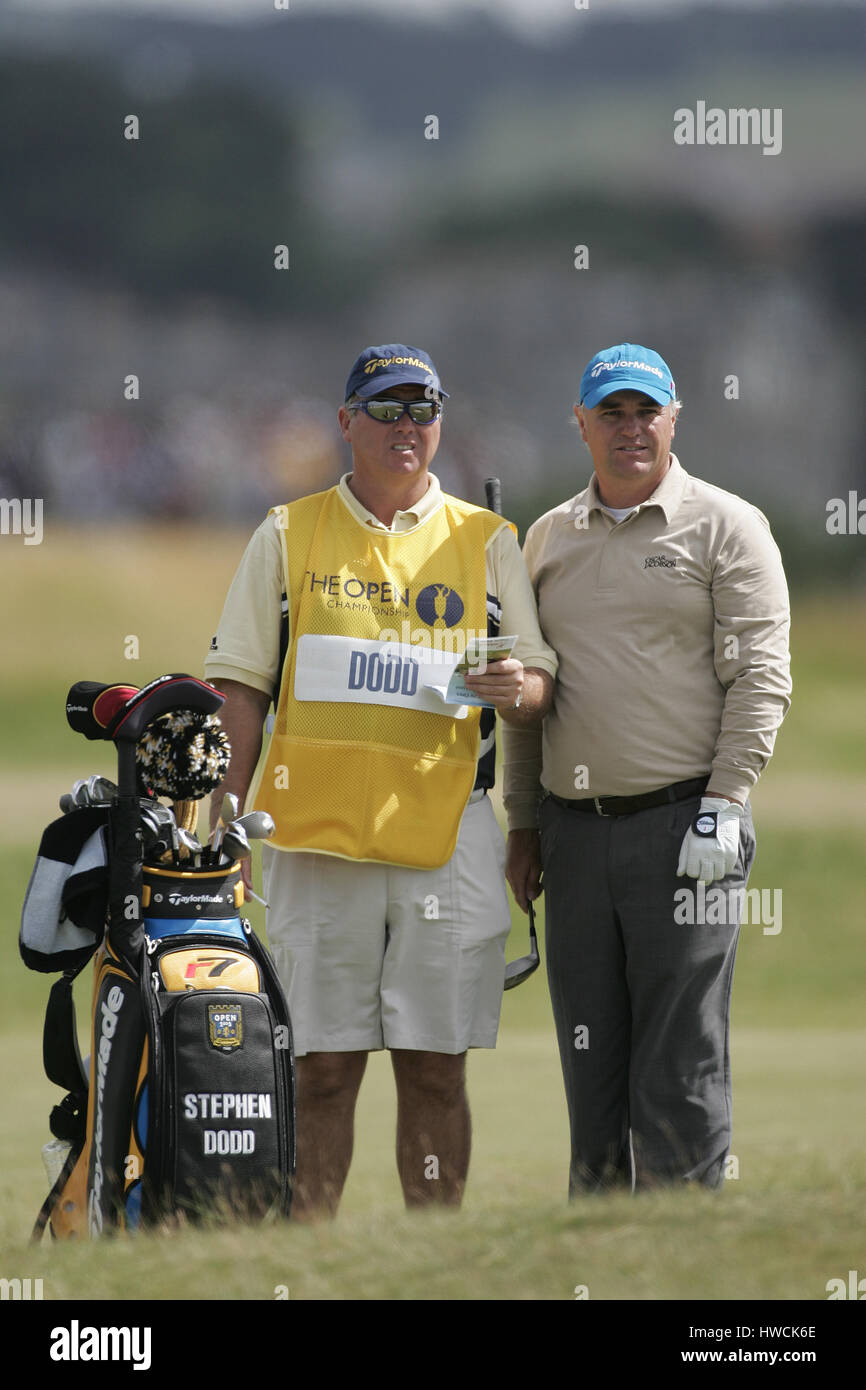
{"type": "Point", "coordinates": [209, 967]}
{"type": "Point", "coordinates": [88, 1198]}
{"type": "Point", "coordinates": [219, 1134]}
{"type": "Point", "coordinates": [203, 1117]}
{"type": "Point", "coordinates": [190, 1105]}
{"type": "Point", "coordinates": [117, 1043]}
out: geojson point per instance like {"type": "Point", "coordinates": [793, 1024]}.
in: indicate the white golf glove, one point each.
{"type": "Point", "coordinates": [712, 841]}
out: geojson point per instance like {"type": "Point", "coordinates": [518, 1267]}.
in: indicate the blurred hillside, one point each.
{"type": "Point", "coordinates": [154, 257]}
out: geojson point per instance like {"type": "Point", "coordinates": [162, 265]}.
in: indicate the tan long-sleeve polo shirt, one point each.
{"type": "Point", "coordinates": [671, 629]}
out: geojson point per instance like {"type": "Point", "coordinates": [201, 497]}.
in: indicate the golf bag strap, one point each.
{"type": "Point", "coordinates": [60, 1052]}
{"type": "Point", "coordinates": [52, 1199]}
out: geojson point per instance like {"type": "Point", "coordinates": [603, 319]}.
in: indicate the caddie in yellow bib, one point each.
{"type": "Point", "coordinates": [390, 624]}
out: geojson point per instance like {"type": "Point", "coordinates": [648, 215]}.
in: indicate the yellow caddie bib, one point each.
{"type": "Point", "coordinates": [364, 761]}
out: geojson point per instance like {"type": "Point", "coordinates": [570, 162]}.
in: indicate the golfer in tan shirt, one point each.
{"type": "Point", "coordinates": [665, 600]}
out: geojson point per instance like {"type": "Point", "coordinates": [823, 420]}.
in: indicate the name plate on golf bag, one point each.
{"type": "Point", "coordinates": [190, 1104]}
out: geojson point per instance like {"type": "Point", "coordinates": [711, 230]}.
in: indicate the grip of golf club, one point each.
{"type": "Point", "coordinates": [493, 493]}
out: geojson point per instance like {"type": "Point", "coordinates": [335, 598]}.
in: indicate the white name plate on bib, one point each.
{"type": "Point", "coordinates": [346, 670]}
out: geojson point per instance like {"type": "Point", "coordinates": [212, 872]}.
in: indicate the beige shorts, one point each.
{"type": "Point", "coordinates": [374, 955]}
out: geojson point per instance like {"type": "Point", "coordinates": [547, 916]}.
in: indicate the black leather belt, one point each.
{"type": "Point", "coordinates": [628, 805]}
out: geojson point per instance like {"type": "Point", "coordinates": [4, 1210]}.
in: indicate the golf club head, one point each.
{"type": "Point", "coordinates": [162, 816]}
{"type": "Point", "coordinates": [67, 803]}
{"type": "Point", "coordinates": [79, 792]}
{"type": "Point", "coordinates": [235, 843]}
{"type": "Point", "coordinates": [519, 970]}
{"type": "Point", "coordinates": [149, 822]}
{"type": "Point", "coordinates": [188, 841]}
{"type": "Point", "coordinates": [228, 811]}
{"type": "Point", "coordinates": [154, 840]}
{"type": "Point", "coordinates": [259, 825]}
{"type": "Point", "coordinates": [100, 790]}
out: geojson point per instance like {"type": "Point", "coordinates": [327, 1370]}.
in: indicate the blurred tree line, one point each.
{"type": "Point", "coordinates": [192, 207]}
{"type": "Point", "coordinates": [215, 181]}
{"type": "Point", "coordinates": [221, 174]}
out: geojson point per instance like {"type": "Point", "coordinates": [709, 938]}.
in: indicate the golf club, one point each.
{"type": "Point", "coordinates": [79, 792]}
{"type": "Point", "coordinates": [164, 818]}
{"type": "Point", "coordinates": [90, 791]}
{"type": "Point", "coordinates": [159, 831]}
{"type": "Point", "coordinates": [237, 846]}
{"type": "Point", "coordinates": [519, 970]}
{"type": "Point", "coordinates": [100, 790]}
{"type": "Point", "coordinates": [259, 825]}
{"type": "Point", "coordinates": [236, 843]}
{"type": "Point", "coordinates": [163, 814]}
{"type": "Point", "coordinates": [154, 840]}
{"type": "Point", "coordinates": [228, 811]}
{"type": "Point", "coordinates": [189, 842]}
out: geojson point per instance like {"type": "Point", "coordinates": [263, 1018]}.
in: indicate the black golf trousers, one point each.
{"type": "Point", "coordinates": [641, 994]}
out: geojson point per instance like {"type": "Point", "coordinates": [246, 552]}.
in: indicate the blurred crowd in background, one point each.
{"type": "Point", "coordinates": [155, 364]}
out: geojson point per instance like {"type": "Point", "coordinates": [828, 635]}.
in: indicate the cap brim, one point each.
{"type": "Point", "coordinates": [609, 385]}
{"type": "Point", "coordinates": [386, 380]}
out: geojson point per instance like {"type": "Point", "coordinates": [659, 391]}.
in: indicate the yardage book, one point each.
{"type": "Point", "coordinates": [479, 653]}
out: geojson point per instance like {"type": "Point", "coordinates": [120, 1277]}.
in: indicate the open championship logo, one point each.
{"type": "Point", "coordinates": [438, 606]}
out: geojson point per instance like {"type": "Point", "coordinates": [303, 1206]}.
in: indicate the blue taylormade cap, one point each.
{"type": "Point", "coordinates": [394, 364]}
{"type": "Point", "coordinates": [626, 367]}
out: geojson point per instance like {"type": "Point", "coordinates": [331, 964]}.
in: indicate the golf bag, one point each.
{"type": "Point", "coordinates": [188, 1102]}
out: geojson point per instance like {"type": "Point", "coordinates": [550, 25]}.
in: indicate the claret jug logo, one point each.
{"type": "Point", "coordinates": [439, 606]}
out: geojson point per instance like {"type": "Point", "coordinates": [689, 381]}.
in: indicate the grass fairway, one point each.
{"type": "Point", "coordinates": [789, 1219]}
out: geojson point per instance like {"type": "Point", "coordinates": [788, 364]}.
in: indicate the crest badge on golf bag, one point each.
{"type": "Point", "coordinates": [225, 1026]}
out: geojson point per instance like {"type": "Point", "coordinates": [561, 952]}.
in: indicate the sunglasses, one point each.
{"type": "Point", "coordinates": [519, 970]}
{"type": "Point", "coordinates": [389, 412]}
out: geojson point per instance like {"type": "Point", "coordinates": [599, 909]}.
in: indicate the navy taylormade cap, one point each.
{"type": "Point", "coordinates": [627, 367]}
{"type": "Point", "coordinates": [394, 364]}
